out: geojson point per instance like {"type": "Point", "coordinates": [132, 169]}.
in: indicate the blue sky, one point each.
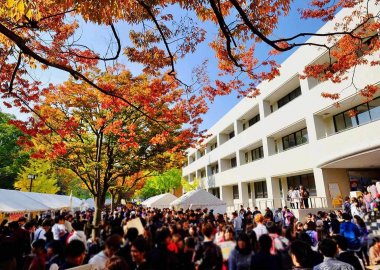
{"type": "Point", "coordinates": [98, 38]}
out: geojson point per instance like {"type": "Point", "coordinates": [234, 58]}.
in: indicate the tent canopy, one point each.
{"type": "Point", "coordinates": [14, 201]}
{"type": "Point", "coordinates": [90, 203]}
{"type": "Point", "coordinates": [200, 199]}
{"type": "Point", "coordinates": [159, 201]}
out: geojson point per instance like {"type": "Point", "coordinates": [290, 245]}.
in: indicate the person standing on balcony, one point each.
{"type": "Point", "coordinates": [289, 197]}
{"type": "Point", "coordinates": [295, 198]}
{"type": "Point", "coordinates": [304, 195]}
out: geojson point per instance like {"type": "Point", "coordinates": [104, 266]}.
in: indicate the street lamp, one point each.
{"type": "Point", "coordinates": [31, 177]}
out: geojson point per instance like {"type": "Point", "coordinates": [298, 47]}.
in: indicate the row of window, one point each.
{"type": "Point", "coordinates": [358, 115]}
{"type": "Point", "coordinates": [261, 191]}
{"type": "Point", "coordinates": [251, 121]}
{"type": "Point", "coordinates": [254, 154]}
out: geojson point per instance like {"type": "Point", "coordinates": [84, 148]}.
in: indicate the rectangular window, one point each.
{"type": "Point", "coordinates": [235, 192]}
{"type": "Point", "coordinates": [215, 192]}
{"type": "Point", "coordinates": [358, 115]}
{"type": "Point", "coordinates": [214, 169]}
{"type": "Point", "coordinates": [254, 120]}
{"type": "Point", "coordinates": [213, 146]}
{"type": "Point", "coordinates": [261, 189]}
{"type": "Point", "coordinates": [289, 97]}
{"type": "Point", "coordinates": [306, 180]}
{"type": "Point", "coordinates": [257, 153]}
{"type": "Point", "coordinates": [202, 152]}
{"type": "Point", "coordinates": [231, 134]}
{"type": "Point", "coordinates": [203, 174]}
{"type": "Point", "coordinates": [249, 191]}
{"type": "Point", "coordinates": [233, 162]}
{"type": "Point", "coordinates": [246, 157]}
{"type": "Point", "coordinates": [294, 139]}
{"type": "Point", "coordinates": [244, 126]}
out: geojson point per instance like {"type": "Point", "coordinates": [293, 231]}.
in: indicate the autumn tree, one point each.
{"type": "Point", "coordinates": [104, 141]}
{"type": "Point", "coordinates": [44, 177]}
{"type": "Point", "coordinates": [36, 33]}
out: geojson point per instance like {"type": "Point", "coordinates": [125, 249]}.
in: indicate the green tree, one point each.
{"type": "Point", "coordinates": [12, 156]}
{"type": "Point", "coordinates": [190, 186]}
{"type": "Point", "coordinates": [45, 177]}
{"type": "Point", "coordinates": [161, 183]}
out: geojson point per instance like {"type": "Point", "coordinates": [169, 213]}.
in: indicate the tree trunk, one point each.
{"type": "Point", "coordinates": [99, 204]}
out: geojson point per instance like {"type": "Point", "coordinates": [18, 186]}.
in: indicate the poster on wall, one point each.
{"type": "Point", "coordinates": [335, 191]}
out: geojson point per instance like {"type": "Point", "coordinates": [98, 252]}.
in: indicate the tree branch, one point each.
{"type": "Point", "coordinates": [21, 43]}
{"type": "Point", "coordinates": [14, 73]}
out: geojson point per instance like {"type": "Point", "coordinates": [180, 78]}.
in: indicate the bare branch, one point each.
{"type": "Point", "coordinates": [10, 89]}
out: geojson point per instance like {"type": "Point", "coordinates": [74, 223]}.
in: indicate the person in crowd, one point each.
{"type": "Point", "coordinates": [256, 211]}
{"type": "Point", "coordinates": [345, 255]}
{"type": "Point", "coordinates": [363, 252]}
{"type": "Point", "coordinates": [268, 214]}
{"type": "Point", "coordinates": [329, 250]}
{"type": "Point", "coordinates": [75, 255]}
{"type": "Point", "coordinates": [54, 253]}
{"type": "Point", "coordinates": [334, 224]}
{"type": "Point", "coordinates": [208, 256]}
{"type": "Point", "coordinates": [264, 260]}
{"type": "Point", "coordinates": [374, 252]}
{"type": "Point", "coordinates": [59, 229]}
{"type": "Point", "coordinates": [41, 231]}
{"type": "Point", "coordinates": [347, 205]}
{"type": "Point", "coordinates": [241, 257]}
{"type": "Point", "coordinates": [77, 233]}
{"type": "Point", "coordinates": [302, 255]}
{"type": "Point", "coordinates": [138, 253]}
{"type": "Point", "coordinates": [351, 232]}
{"type": "Point", "coordinates": [237, 223]}
{"type": "Point", "coordinates": [219, 236]}
{"type": "Point", "coordinates": [125, 250]}
{"type": "Point", "coordinates": [311, 231]}
{"type": "Point", "coordinates": [39, 258]}
{"type": "Point", "coordinates": [111, 247]}
{"type": "Point", "coordinates": [116, 263]}
{"type": "Point", "coordinates": [260, 228]}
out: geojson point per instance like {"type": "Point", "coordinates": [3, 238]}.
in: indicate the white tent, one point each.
{"type": "Point", "coordinates": [159, 201]}
{"type": "Point", "coordinates": [13, 201]}
{"type": "Point", "coordinates": [90, 203]}
{"type": "Point", "coordinates": [55, 201]}
{"type": "Point", "coordinates": [200, 199]}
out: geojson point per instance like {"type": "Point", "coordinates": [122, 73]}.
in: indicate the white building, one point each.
{"type": "Point", "coordinates": [289, 135]}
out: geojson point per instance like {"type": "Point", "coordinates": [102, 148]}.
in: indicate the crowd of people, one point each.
{"type": "Point", "coordinates": [190, 239]}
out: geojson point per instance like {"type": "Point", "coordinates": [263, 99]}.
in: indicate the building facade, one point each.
{"type": "Point", "coordinates": [289, 136]}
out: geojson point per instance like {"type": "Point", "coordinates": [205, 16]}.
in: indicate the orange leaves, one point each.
{"type": "Point", "coordinates": [333, 96]}
{"type": "Point", "coordinates": [369, 91]}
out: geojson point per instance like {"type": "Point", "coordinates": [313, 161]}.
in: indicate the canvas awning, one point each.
{"type": "Point", "coordinates": [200, 199]}
{"type": "Point", "coordinates": [159, 201]}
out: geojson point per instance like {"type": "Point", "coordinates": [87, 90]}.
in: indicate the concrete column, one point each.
{"type": "Point", "coordinates": [243, 193]}
{"type": "Point", "coordinates": [264, 108]}
{"type": "Point", "coordinates": [269, 147]}
{"type": "Point", "coordinates": [240, 158]}
{"type": "Point", "coordinates": [226, 195]}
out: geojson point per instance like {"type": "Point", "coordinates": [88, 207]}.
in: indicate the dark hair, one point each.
{"type": "Point", "coordinates": [360, 221]}
{"type": "Point", "coordinates": [346, 216]}
{"type": "Point", "coordinates": [265, 242]}
{"type": "Point", "coordinates": [341, 241]}
{"type": "Point", "coordinates": [116, 263]}
{"type": "Point", "coordinates": [161, 234]}
{"type": "Point", "coordinates": [328, 247]}
{"type": "Point", "coordinates": [303, 236]}
{"type": "Point", "coordinates": [75, 249]}
{"type": "Point", "coordinates": [114, 242]}
{"type": "Point", "coordinates": [78, 225]}
{"type": "Point", "coordinates": [132, 234]}
{"type": "Point", "coordinates": [140, 244]}
{"type": "Point", "coordinates": [311, 226]}
{"type": "Point", "coordinates": [272, 227]}
{"type": "Point", "coordinates": [40, 244]}
{"type": "Point", "coordinates": [56, 247]}
{"type": "Point", "coordinates": [244, 238]}
{"type": "Point", "coordinates": [207, 230]}
{"type": "Point", "coordinates": [303, 252]}
{"type": "Point", "coordinates": [189, 242]}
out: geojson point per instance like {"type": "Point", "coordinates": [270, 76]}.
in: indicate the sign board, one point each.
{"type": "Point", "coordinates": [335, 191]}
{"type": "Point", "coordinates": [134, 223]}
